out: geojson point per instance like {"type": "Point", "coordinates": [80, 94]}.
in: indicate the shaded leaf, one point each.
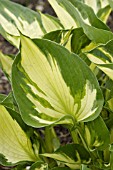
{"type": "Point", "coordinates": [39, 166]}
{"type": "Point", "coordinates": [104, 13]}
{"type": "Point", "coordinates": [2, 97]}
{"type": "Point", "coordinates": [71, 155]}
{"type": "Point", "coordinates": [8, 101]}
{"type": "Point", "coordinates": [79, 40]}
{"type": "Point", "coordinates": [96, 137]}
{"type": "Point", "coordinates": [61, 168]}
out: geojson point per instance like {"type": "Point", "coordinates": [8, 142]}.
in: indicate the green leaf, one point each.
{"type": "Point", "coordinates": [111, 156]}
{"type": "Point", "coordinates": [79, 14]}
{"type": "Point", "coordinates": [14, 143]}
{"type": "Point", "coordinates": [6, 62]}
{"type": "Point", "coordinates": [104, 13]}
{"type": "Point", "coordinates": [111, 3]}
{"type": "Point", "coordinates": [61, 168]}
{"type": "Point", "coordinates": [96, 137]}
{"type": "Point", "coordinates": [39, 166]}
{"type": "Point", "coordinates": [109, 97]}
{"type": "Point", "coordinates": [15, 40]}
{"type": "Point", "coordinates": [79, 40]}
{"type": "Point", "coordinates": [85, 167]}
{"type": "Point", "coordinates": [15, 18]}
{"type": "Point", "coordinates": [71, 155]}
{"type": "Point", "coordinates": [54, 84]}
{"type": "Point", "coordinates": [2, 97]}
{"type": "Point", "coordinates": [84, 17]}
{"type": "Point", "coordinates": [55, 36]}
{"type": "Point", "coordinates": [63, 37]}
{"type": "Point", "coordinates": [102, 58]}
{"type": "Point", "coordinates": [27, 21]}
{"type": "Point", "coordinates": [96, 5]}
{"type": "Point", "coordinates": [50, 23]}
{"type": "Point", "coordinates": [8, 101]}
{"type": "Point", "coordinates": [66, 20]}
{"type": "Point", "coordinates": [88, 16]}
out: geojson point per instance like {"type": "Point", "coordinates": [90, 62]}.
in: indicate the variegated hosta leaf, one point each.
{"type": "Point", "coordinates": [63, 37]}
{"type": "Point", "coordinates": [6, 63]}
{"type": "Point", "coordinates": [74, 12]}
{"type": "Point", "coordinates": [103, 59]}
{"type": "Point", "coordinates": [97, 4]}
{"type": "Point", "coordinates": [109, 104]}
{"type": "Point", "coordinates": [15, 19]}
{"type": "Point", "coordinates": [50, 83]}
{"type": "Point", "coordinates": [71, 155]}
{"type": "Point", "coordinates": [109, 97]}
{"type": "Point", "coordinates": [111, 3]}
{"type": "Point", "coordinates": [104, 13]}
{"type": "Point", "coordinates": [19, 18]}
{"type": "Point", "coordinates": [39, 166]}
{"type": "Point", "coordinates": [14, 143]}
{"type": "Point", "coordinates": [96, 137]}
{"type": "Point", "coordinates": [79, 40]}
{"type": "Point", "coordinates": [79, 14]}
{"type": "Point", "coordinates": [15, 40]}
{"type": "Point", "coordinates": [7, 100]}
{"type": "Point", "coordinates": [50, 23]}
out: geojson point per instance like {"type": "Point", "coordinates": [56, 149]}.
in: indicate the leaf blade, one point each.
{"type": "Point", "coordinates": [15, 147]}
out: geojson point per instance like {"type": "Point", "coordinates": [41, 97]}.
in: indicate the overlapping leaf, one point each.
{"type": "Point", "coordinates": [82, 16]}
{"type": "Point", "coordinates": [15, 19]}
{"type": "Point", "coordinates": [102, 57]}
{"type": "Point", "coordinates": [96, 137]}
{"type": "Point", "coordinates": [39, 166]}
{"type": "Point", "coordinates": [79, 14]}
{"type": "Point", "coordinates": [103, 13]}
{"type": "Point", "coordinates": [71, 155]}
{"type": "Point", "coordinates": [14, 143]}
{"type": "Point", "coordinates": [6, 63]}
{"type": "Point", "coordinates": [53, 83]}
{"type": "Point", "coordinates": [97, 4]}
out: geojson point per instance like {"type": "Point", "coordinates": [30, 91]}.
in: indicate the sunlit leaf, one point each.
{"type": "Point", "coordinates": [97, 4]}
{"type": "Point", "coordinates": [15, 18]}
{"type": "Point", "coordinates": [20, 19]}
{"type": "Point", "coordinates": [50, 23]}
{"type": "Point", "coordinates": [6, 62]}
{"type": "Point", "coordinates": [14, 143]}
{"type": "Point", "coordinates": [102, 57]}
{"type": "Point", "coordinates": [54, 84]}
{"type": "Point", "coordinates": [84, 17]}
{"type": "Point", "coordinates": [14, 40]}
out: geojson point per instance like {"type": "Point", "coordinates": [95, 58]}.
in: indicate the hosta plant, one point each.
{"type": "Point", "coordinates": [61, 75]}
